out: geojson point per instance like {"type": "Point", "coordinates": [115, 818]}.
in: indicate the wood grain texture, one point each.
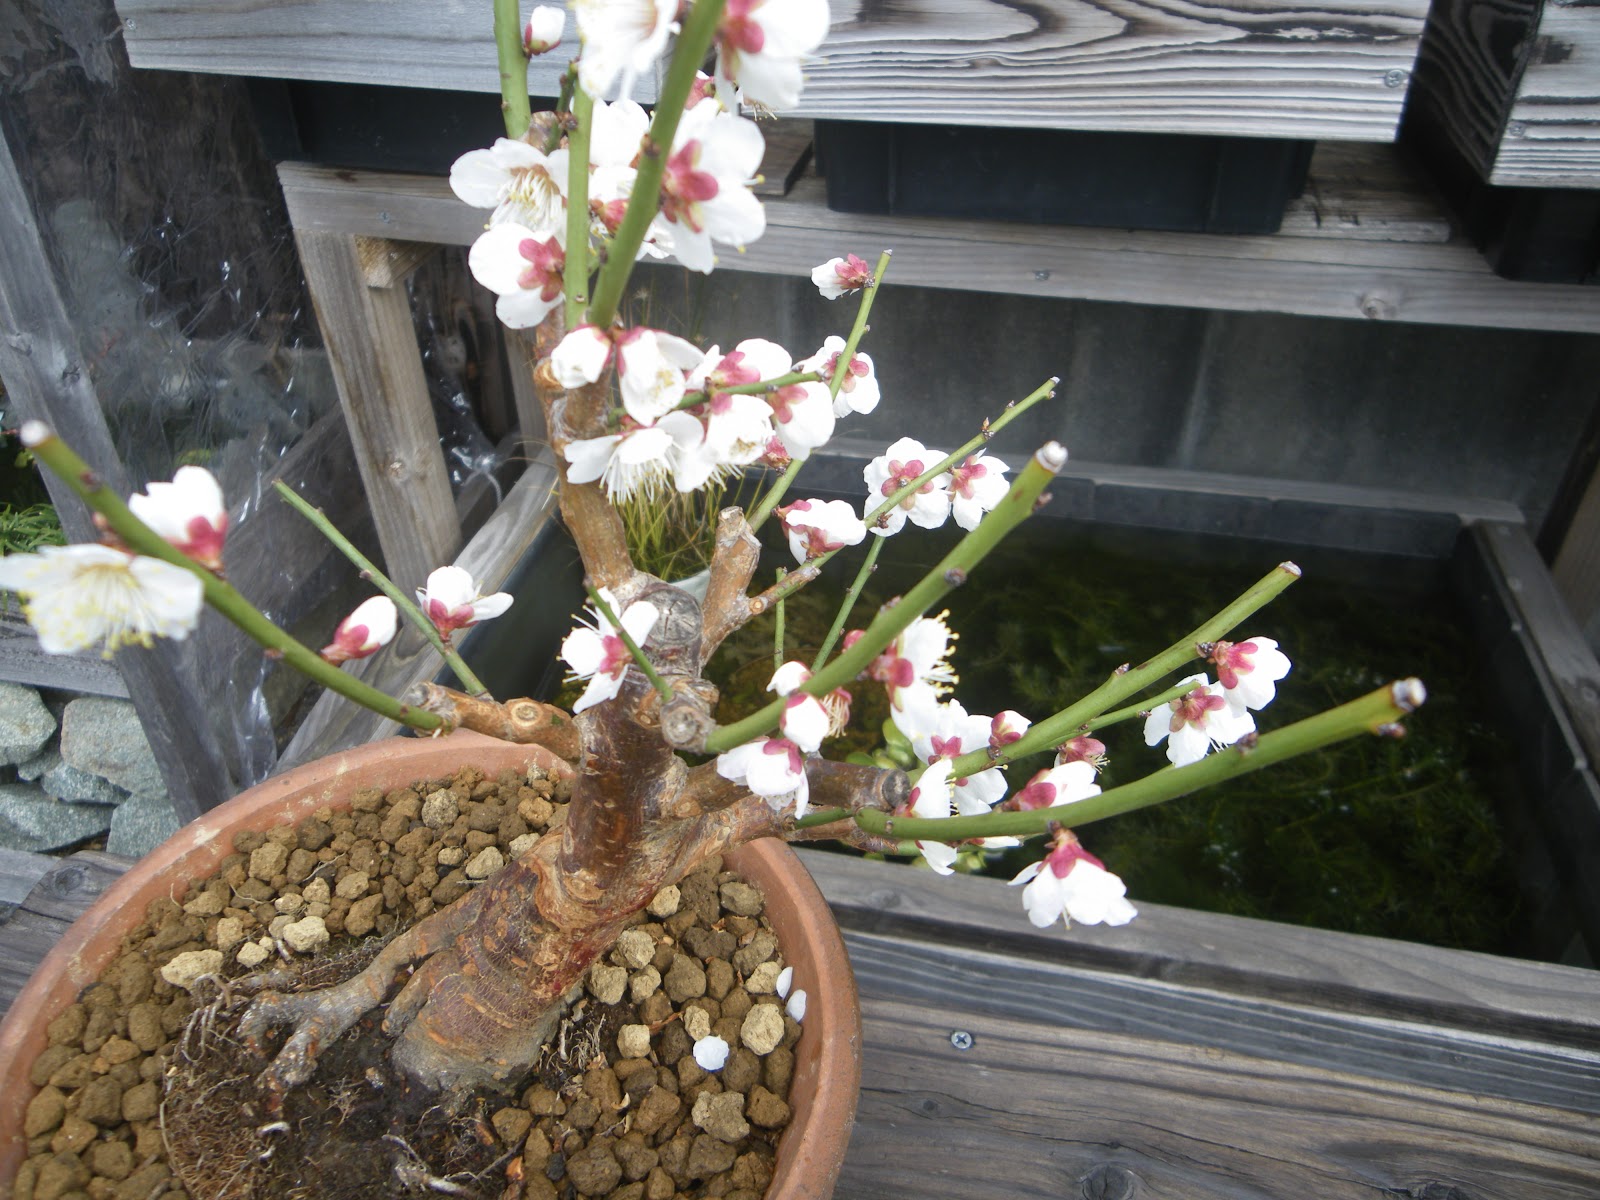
{"type": "Point", "coordinates": [1243, 67]}
{"type": "Point", "coordinates": [1552, 133]}
{"type": "Point", "coordinates": [333, 722]}
{"type": "Point", "coordinates": [1314, 275]}
{"type": "Point", "coordinates": [57, 897]}
{"type": "Point", "coordinates": [372, 347]}
{"type": "Point", "coordinates": [1467, 71]}
{"type": "Point", "coordinates": [447, 44]}
{"type": "Point", "coordinates": [1337, 972]}
{"type": "Point", "coordinates": [21, 661]}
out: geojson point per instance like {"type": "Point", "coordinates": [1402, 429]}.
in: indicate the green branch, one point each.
{"type": "Point", "coordinates": [1377, 712]}
{"type": "Point", "coordinates": [384, 584]}
{"type": "Point", "coordinates": [1141, 708]}
{"type": "Point", "coordinates": [868, 566]}
{"type": "Point", "coordinates": [221, 595]}
{"type": "Point", "coordinates": [575, 273]}
{"type": "Point", "coordinates": [513, 67]}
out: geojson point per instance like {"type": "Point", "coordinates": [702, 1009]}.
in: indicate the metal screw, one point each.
{"type": "Point", "coordinates": [385, 217]}
{"type": "Point", "coordinates": [1041, 275]}
{"type": "Point", "coordinates": [397, 469]}
{"type": "Point", "coordinates": [961, 1040]}
{"type": "Point", "coordinates": [1395, 78]}
{"type": "Point", "coordinates": [1516, 129]}
{"type": "Point", "coordinates": [130, 24]}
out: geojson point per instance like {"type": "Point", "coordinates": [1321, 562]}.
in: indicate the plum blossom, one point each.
{"type": "Point", "coordinates": [705, 190]}
{"type": "Point", "coordinates": [621, 39]}
{"type": "Point", "coordinates": [524, 185]}
{"type": "Point", "coordinates": [1073, 884]}
{"type": "Point", "coordinates": [804, 417]}
{"type": "Point", "coordinates": [800, 413]}
{"type": "Point", "coordinates": [805, 720]}
{"type": "Point", "coordinates": [915, 668]}
{"type": "Point", "coordinates": [817, 527]}
{"type": "Point", "coordinates": [840, 276]}
{"type": "Point", "coordinates": [1196, 721]}
{"type": "Point", "coordinates": [638, 460]}
{"type": "Point", "coordinates": [188, 512]}
{"type": "Point", "coordinates": [858, 390]}
{"type": "Point", "coordinates": [543, 31]}
{"type": "Point", "coordinates": [452, 600]}
{"type": "Point", "coordinates": [976, 486]}
{"type": "Point", "coordinates": [615, 136]}
{"type": "Point", "coordinates": [931, 798]}
{"type": "Point", "coordinates": [522, 268]}
{"type": "Point", "coordinates": [1082, 748]}
{"type": "Point", "coordinates": [363, 632]}
{"type": "Point", "coordinates": [949, 734]}
{"type": "Point", "coordinates": [904, 461]}
{"type": "Point", "coordinates": [597, 653]}
{"type": "Point", "coordinates": [77, 597]}
{"type": "Point", "coordinates": [652, 366]}
{"type": "Point", "coordinates": [1249, 670]}
{"type": "Point", "coordinates": [1007, 727]}
{"type": "Point", "coordinates": [1062, 784]}
{"type": "Point", "coordinates": [761, 44]}
{"type": "Point", "coordinates": [738, 426]}
{"type": "Point", "coordinates": [772, 768]}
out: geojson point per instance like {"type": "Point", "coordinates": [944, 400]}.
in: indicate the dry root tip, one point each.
{"type": "Point", "coordinates": [1289, 568]}
{"type": "Point", "coordinates": [1391, 729]}
{"type": "Point", "coordinates": [35, 433]}
{"type": "Point", "coordinates": [1409, 694]}
{"type": "Point", "coordinates": [1052, 456]}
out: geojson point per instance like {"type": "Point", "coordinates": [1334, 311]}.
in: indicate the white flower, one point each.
{"type": "Point", "coordinates": [947, 732]}
{"type": "Point", "coordinates": [452, 601]}
{"type": "Point", "coordinates": [599, 655]}
{"type": "Point", "coordinates": [522, 184]}
{"type": "Point", "coordinates": [705, 192]}
{"type": "Point", "coordinates": [711, 1052]}
{"type": "Point", "coordinates": [1062, 784]}
{"type": "Point", "coordinates": [898, 467]}
{"type": "Point", "coordinates": [840, 276]}
{"type": "Point", "coordinates": [1196, 721]}
{"type": "Point", "coordinates": [543, 31]}
{"type": "Point", "coordinates": [772, 768]}
{"type": "Point", "coordinates": [639, 460]}
{"type": "Point", "coordinates": [761, 44]}
{"type": "Point", "coordinates": [1249, 670]}
{"type": "Point", "coordinates": [931, 798]}
{"type": "Point", "coordinates": [1007, 727]}
{"type": "Point", "coordinates": [188, 512]}
{"type": "Point", "coordinates": [858, 390]}
{"type": "Point", "coordinates": [805, 721]}
{"type": "Point", "coordinates": [371, 626]}
{"type": "Point", "coordinates": [651, 370]}
{"type": "Point", "coordinates": [796, 1007]}
{"type": "Point", "coordinates": [976, 486]}
{"type": "Point", "coordinates": [1072, 883]}
{"type": "Point", "coordinates": [804, 417]}
{"type": "Point", "coordinates": [521, 267]}
{"type": "Point", "coordinates": [820, 527]}
{"type": "Point", "coordinates": [581, 356]}
{"type": "Point", "coordinates": [621, 38]}
{"type": "Point", "coordinates": [915, 668]}
{"type": "Point", "coordinates": [77, 597]}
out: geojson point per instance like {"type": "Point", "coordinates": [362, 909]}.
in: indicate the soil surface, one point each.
{"type": "Point", "coordinates": [147, 1092]}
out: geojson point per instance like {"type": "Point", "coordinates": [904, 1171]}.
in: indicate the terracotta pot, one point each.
{"type": "Point", "coordinates": [827, 1058]}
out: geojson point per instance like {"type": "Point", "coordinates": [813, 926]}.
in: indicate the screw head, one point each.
{"type": "Point", "coordinates": [961, 1040]}
{"type": "Point", "coordinates": [1041, 275]}
{"type": "Point", "coordinates": [1516, 129]}
{"type": "Point", "coordinates": [1395, 78]}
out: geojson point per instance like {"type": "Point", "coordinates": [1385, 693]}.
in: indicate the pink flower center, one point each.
{"type": "Point", "coordinates": [203, 539]}
{"type": "Point", "coordinates": [684, 188]}
{"type": "Point", "coordinates": [1233, 660]}
{"type": "Point", "coordinates": [1040, 793]}
{"type": "Point", "coordinates": [1063, 858]}
{"type": "Point", "coordinates": [545, 260]}
{"type": "Point", "coordinates": [945, 748]}
{"type": "Point", "coordinates": [853, 273]}
{"type": "Point", "coordinates": [783, 401]}
{"type": "Point", "coordinates": [963, 477]}
{"type": "Point", "coordinates": [784, 746]}
{"type": "Point", "coordinates": [1082, 749]}
{"type": "Point", "coordinates": [738, 30]}
{"type": "Point", "coordinates": [614, 657]}
{"type": "Point", "coordinates": [856, 370]}
{"type": "Point", "coordinates": [446, 618]}
{"type": "Point", "coordinates": [1194, 709]}
{"type": "Point", "coordinates": [901, 474]}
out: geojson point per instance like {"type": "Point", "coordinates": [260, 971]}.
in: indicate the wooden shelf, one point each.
{"type": "Point", "coordinates": [1366, 242]}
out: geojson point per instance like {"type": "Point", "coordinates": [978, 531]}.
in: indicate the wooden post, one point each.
{"type": "Point", "coordinates": [366, 324]}
{"type": "Point", "coordinates": [46, 377]}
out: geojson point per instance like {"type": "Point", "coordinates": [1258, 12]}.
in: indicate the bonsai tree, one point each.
{"type": "Point", "coordinates": [636, 414]}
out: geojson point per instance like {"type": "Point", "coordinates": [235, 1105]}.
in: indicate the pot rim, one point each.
{"type": "Point", "coordinates": [827, 1069]}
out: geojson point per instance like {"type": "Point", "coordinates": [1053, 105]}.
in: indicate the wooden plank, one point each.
{"type": "Point", "coordinates": [1033, 1109]}
{"type": "Point", "coordinates": [46, 377]}
{"type": "Point", "coordinates": [385, 262]}
{"type": "Point", "coordinates": [787, 154]}
{"type": "Point", "coordinates": [1291, 71]}
{"type": "Point", "coordinates": [447, 44]}
{"type": "Point", "coordinates": [21, 661]}
{"type": "Point", "coordinates": [1444, 284]}
{"type": "Point", "coordinates": [1352, 192]}
{"type": "Point", "coordinates": [19, 871]}
{"type": "Point", "coordinates": [1337, 972]}
{"type": "Point", "coordinates": [56, 899]}
{"type": "Point", "coordinates": [373, 349]}
{"type": "Point", "coordinates": [1551, 136]}
{"type": "Point", "coordinates": [520, 361]}
{"type": "Point", "coordinates": [1577, 565]}
{"type": "Point", "coordinates": [334, 723]}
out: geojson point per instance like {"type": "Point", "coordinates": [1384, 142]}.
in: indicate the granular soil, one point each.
{"type": "Point", "coordinates": [144, 1081]}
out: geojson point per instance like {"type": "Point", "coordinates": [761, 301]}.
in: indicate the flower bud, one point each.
{"type": "Point", "coordinates": [543, 31]}
{"type": "Point", "coordinates": [364, 631]}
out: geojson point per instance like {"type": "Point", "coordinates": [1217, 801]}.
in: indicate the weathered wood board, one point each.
{"type": "Point", "coordinates": [1319, 273]}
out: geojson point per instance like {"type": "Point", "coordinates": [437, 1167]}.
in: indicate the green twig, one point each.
{"type": "Point", "coordinates": [868, 566]}
{"type": "Point", "coordinates": [1141, 708]}
{"type": "Point", "coordinates": [777, 630]}
{"type": "Point", "coordinates": [951, 572]}
{"type": "Point", "coordinates": [384, 584]}
{"type": "Point", "coordinates": [221, 595]}
{"type": "Point", "coordinates": [690, 399]}
{"type": "Point", "coordinates": [1377, 712]}
{"type": "Point", "coordinates": [604, 609]}
{"type": "Point", "coordinates": [575, 274]}
{"type": "Point", "coordinates": [513, 67]}
{"type": "Point", "coordinates": [552, 137]}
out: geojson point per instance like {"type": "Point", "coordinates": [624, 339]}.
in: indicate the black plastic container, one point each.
{"type": "Point", "coordinates": [1062, 177]}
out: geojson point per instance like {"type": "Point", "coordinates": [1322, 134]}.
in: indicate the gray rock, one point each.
{"type": "Point", "coordinates": [140, 824]}
{"type": "Point", "coordinates": [103, 737]}
{"type": "Point", "coordinates": [68, 783]}
{"type": "Point", "coordinates": [31, 820]}
{"type": "Point", "coordinates": [25, 723]}
{"type": "Point", "coordinates": [36, 766]}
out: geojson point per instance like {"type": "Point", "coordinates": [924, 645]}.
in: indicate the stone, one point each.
{"type": "Point", "coordinates": [305, 935]}
{"type": "Point", "coordinates": [709, 1156]}
{"type": "Point", "coordinates": [25, 723]}
{"type": "Point", "coordinates": [762, 1029]}
{"type": "Point", "coordinates": [73, 786]}
{"type": "Point", "coordinates": [511, 1124]}
{"type": "Point", "coordinates": [633, 1041]}
{"type": "Point", "coordinates": [697, 1023]}
{"type": "Point", "coordinates": [684, 980]}
{"type": "Point", "coordinates": [594, 1171]}
{"type": "Point", "coordinates": [763, 981]}
{"type": "Point", "coordinates": [642, 983]}
{"type": "Point", "coordinates": [485, 863]}
{"type": "Point", "coordinates": [100, 1101]}
{"type": "Point", "coordinates": [185, 969]}
{"type": "Point", "coordinates": [267, 861]}
{"type": "Point", "coordinates": [103, 737]}
{"type": "Point", "coordinates": [741, 898]}
{"type": "Point", "coordinates": [659, 1107]}
{"type": "Point", "coordinates": [33, 822]}
{"type": "Point", "coordinates": [766, 1110]}
{"type": "Point", "coordinates": [352, 887]}
{"type": "Point", "coordinates": [607, 983]}
{"type": "Point", "coordinates": [665, 902]}
{"type": "Point", "coordinates": [44, 1112]}
{"type": "Point", "coordinates": [363, 916]}
{"type": "Point", "coordinates": [253, 954]}
{"type": "Point", "coordinates": [440, 809]}
{"type": "Point", "coordinates": [141, 823]}
{"type": "Point", "coordinates": [634, 949]}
